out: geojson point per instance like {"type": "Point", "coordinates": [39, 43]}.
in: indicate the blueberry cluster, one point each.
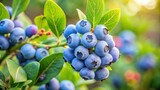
{"type": "Point", "coordinates": [128, 46]}
{"type": "Point", "coordinates": [29, 54]}
{"type": "Point", "coordinates": [55, 85]}
{"type": "Point", "coordinates": [90, 51]}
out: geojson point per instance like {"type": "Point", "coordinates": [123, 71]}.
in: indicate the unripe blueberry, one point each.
{"type": "Point", "coordinates": [9, 9]}
{"type": "Point", "coordinates": [66, 85]}
{"type": "Point", "coordinates": [4, 43]}
{"type": "Point", "coordinates": [101, 31]}
{"type": "Point", "coordinates": [110, 41]}
{"type": "Point", "coordinates": [89, 40]}
{"type": "Point", "coordinates": [41, 53]}
{"type": "Point", "coordinates": [73, 40]}
{"type": "Point", "coordinates": [87, 74]}
{"type": "Point", "coordinates": [101, 74]}
{"type": "Point", "coordinates": [53, 84]}
{"type": "Point", "coordinates": [106, 60]}
{"type": "Point", "coordinates": [70, 29]}
{"type": "Point", "coordinates": [68, 54]}
{"type": "Point", "coordinates": [18, 23]}
{"type": "Point", "coordinates": [101, 48]}
{"type": "Point", "coordinates": [81, 52]}
{"type": "Point", "coordinates": [77, 64]}
{"type": "Point", "coordinates": [6, 26]}
{"type": "Point", "coordinates": [93, 61]}
{"type": "Point", "coordinates": [31, 30]}
{"type": "Point", "coordinates": [42, 87]}
{"type": "Point", "coordinates": [83, 26]}
{"type": "Point", "coordinates": [127, 36]}
{"type": "Point", "coordinates": [28, 51]}
{"type": "Point", "coordinates": [115, 54]}
{"type": "Point", "coordinates": [17, 35]}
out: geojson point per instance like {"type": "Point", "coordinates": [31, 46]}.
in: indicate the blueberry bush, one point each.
{"type": "Point", "coordinates": [33, 55]}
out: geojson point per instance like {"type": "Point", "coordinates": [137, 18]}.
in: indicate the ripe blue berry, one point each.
{"type": "Point", "coordinates": [73, 40]}
{"type": "Point", "coordinates": [4, 43]}
{"type": "Point", "coordinates": [89, 40]}
{"type": "Point", "coordinates": [110, 41]}
{"type": "Point", "coordinates": [17, 35]}
{"type": "Point", "coordinates": [101, 74]}
{"type": "Point", "coordinates": [68, 54]}
{"type": "Point", "coordinates": [31, 30]}
{"type": "Point", "coordinates": [41, 53]}
{"type": "Point", "coordinates": [70, 29]}
{"type": "Point", "coordinates": [53, 84]}
{"type": "Point", "coordinates": [28, 51]}
{"type": "Point", "coordinates": [81, 52]}
{"type": "Point", "coordinates": [93, 61]}
{"type": "Point", "coordinates": [83, 26]}
{"type": "Point", "coordinates": [66, 85]}
{"type": "Point", "coordinates": [87, 74]}
{"type": "Point", "coordinates": [6, 26]}
{"type": "Point", "coordinates": [101, 48]}
{"type": "Point", "coordinates": [20, 57]}
{"type": "Point", "coordinates": [127, 36]}
{"type": "Point", "coordinates": [100, 31]}
{"type": "Point", "coordinates": [77, 64]}
{"type": "Point", "coordinates": [9, 9]}
{"type": "Point", "coordinates": [117, 81]}
{"type": "Point", "coordinates": [18, 23]}
{"type": "Point", "coordinates": [128, 49]}
{"type": "Point", "coordinates": [115, 54]}
{"type": "Point", "coordinates": [42, 87]}
{"type": "Point", "coordinates": [106, 60]}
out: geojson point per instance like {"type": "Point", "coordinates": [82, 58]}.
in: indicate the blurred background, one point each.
{"type": "Point", "coordinates": [137, 35]}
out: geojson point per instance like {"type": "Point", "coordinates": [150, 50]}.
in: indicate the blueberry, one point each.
{"type": "Point", "coordinates": [6, 26]}
{"type": "Point", "coordinates": [9, 9]}
{"type": "Point", "coordinates": [83, 26]}
{"type": "Point", "coordinates": [101, 31]}
{"type": "Point", "coordinates": [4, 43]}
{"type": "Point", "coordinates": [87, 74]}
{"type": "Point", "coordinates": [146, 62]}
{"type": "Point", "coordinates": [81, 52]}
{"type": "Point", "coordinates": [18, 23]}
{"type": "Point", "coordinates": [115, 54]}
{"type": "Point", "coordinates": [31, 30]}
{"type": "Point", "coordinates": [110, 41]}
{"type": "Point", "coordinates": [42, 87]}
{"type": "Point", "coordinates": [127, 36]}
{"type": "Point", "coordinates": [89, 40]}
{"type": "Point", "coordinates": [70, 29]}
{"type": "Point", "coordinates": [66, 85]}
{"type": "Point", "coordinates": [41, 53]}
{"type": "Point", "coordinates": [116, 81]}
{"type": "Point", "coordinates": [28, 51]}
{"type": "Point", "coordinates": [20, 57]}
{"type": "Point", "coordinates": [77, 64]}
{"type": "Point", "coordinates": [128, 49]}
{"type": "Point", "coordinates": [42, 78]}
{"type": "Point", "coordinates": [93, 61]}
{"type": "Point", "coordinates": [106, 60]}
{"type": "Point", "coordinates": [68, 54]}
{"type": "Point", "coordinates": [17, 35]}
{"type": "Point", "coordinates": [27, 62]}
{"type": "Point", "coordinates": [101, 74]}
{"type": "Point", "coordinates": [101, 48]}
{"type": "Point", "coordinates": [53, 84]}
{"type": "Point", "coordinates": [73, 40]}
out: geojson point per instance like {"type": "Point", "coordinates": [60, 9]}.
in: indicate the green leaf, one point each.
{"type": "Point", "coordinates": [41, 22]}
{"type": "Point", "coordinates": [111, 18]}
{"type": "Point", "coordinates": [81, 15]}
{"type": "Point", "coordinates": [2, 83]}
{"type": "Point", "coordinates": [18, 7]}
{"type": "Point", "coordinates": [16, 71]}
{"type": "Point", "coordinates": [109, 68]}
{"type": "Point", "coordinates": [2, 77]}
{"type": "Point", "coordinates": [14, 89]}
{"type": "Point", "coordinates": [20, 85]}
{"type": "Point", "coordinates": [50, 66]}
{"type": "Point", "coordinates": [3, 12]}
{"type": "Point", "coordinates": [55, 17]}
{"type": "Point", "coordinates": [32, 70]}
{"type": "Point", "coordinates": [94, 11]}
